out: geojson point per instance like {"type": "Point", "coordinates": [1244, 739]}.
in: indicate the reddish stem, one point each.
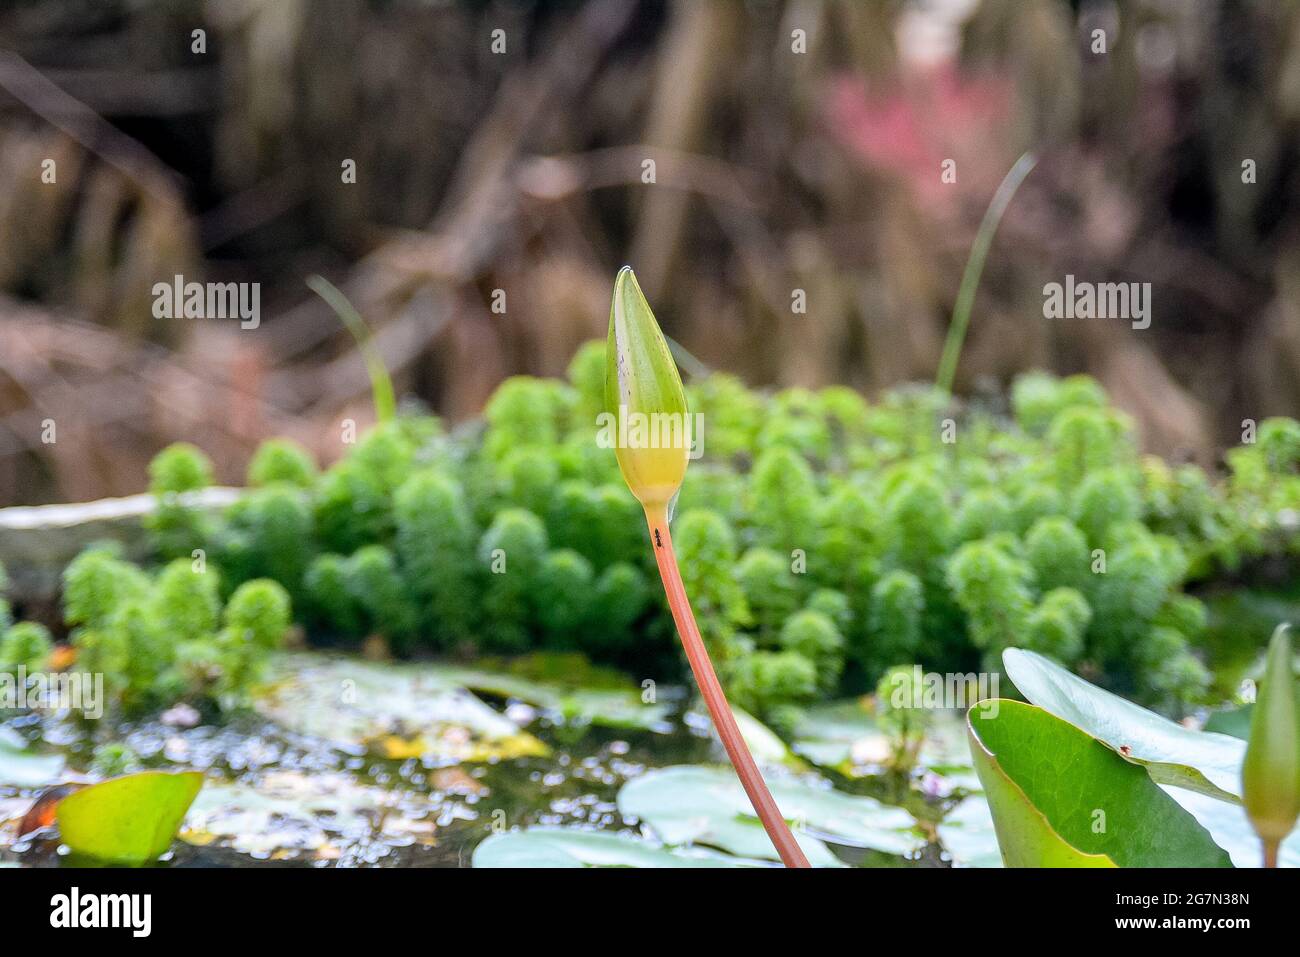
{"type": "Point", "coordinates": [725, 722]}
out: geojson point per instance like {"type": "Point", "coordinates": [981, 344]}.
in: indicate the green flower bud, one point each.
{"type": "Point", "coordinates": [644, 398]}
{"type": "Point", "coordinates": [1270, 775]}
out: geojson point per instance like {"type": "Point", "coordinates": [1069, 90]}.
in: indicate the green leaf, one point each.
{"type": "Point", "coordinates": [968, 835]}
{"type": "Point", "coordinates": [589, 696]}
{"type": "Point", "coordinates": [568, 847]}
{"type": "Point", "coordinates": [128, 820]}
{"type": "Point", "coordinates": [1198, 760]}
{"type": "Point", "coordinates": [1231, 830]}
{"type": "Point", "coordinates": [398, 711]}
{"type": "Point", "coordinates": [22, 768]}
{"type": "Point", "coordinates": [289, 814]}
{"type": "Point", "coordinates": [705, 805]}
{"type": "Point", "coordinates": [1234, 722]}
{"type": "Point", "coordinates": [1060, 798]}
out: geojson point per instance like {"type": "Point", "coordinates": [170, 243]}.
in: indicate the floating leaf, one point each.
{"type": "Point", "coordinates": [841, 735]}
{"type": "Point", "coordinates": [609, 700]}
{"type": "Point", "coordinates": [289, 814]}
{"type": "Point", "coordinates": [1231, 830]}
{"type": "Point", "coordinates": [568, 847]}
{"type": "Point", "coordinates": [128, 820]}
{"type": "Point", "coordinates": [1199, 760]}
{"type": "Point", "coordinates": [1060, 798]}
{"type": "Point", "coordinates": [22, 768]}
{"type": "Point", "coordinates": [968, 835]}
{"type": "Point", "coordinates": [1234, 722]}
{"type": "Point", "coordinates": [398, 711]}
{"type": "Point", "coordinates": [705, 805]}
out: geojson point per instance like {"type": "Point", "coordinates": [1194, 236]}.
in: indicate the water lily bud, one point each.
{"type": "Point", "coordinates": [1270, 774]}
{"type": "Point", "coordinates": [644, 398]}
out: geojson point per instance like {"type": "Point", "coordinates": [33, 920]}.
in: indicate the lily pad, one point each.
{"type": "Point", "coordinates": [1232, 831]}
{"type": "Point", "coordinates": [841, 735]}
{"type": "Point", "coordinates": [569, 847]}
{"type": "Point", "coordinates": [128, 820]}
{"type": "Point", "coordinates": [1234, 722]}
{"type": "Point", "coordinates": [968, 835]}
{"type": "Point", "coordinates": [1198, 760]}
{"type": "Point", "coordinates": [690, 804]}
{"type": "Point", "coordinates": [22, 768]}
{"type": "Point", "coordinates": [1060, 798]}
{"type": "Point", "coordinates": [397, 711]}
{"type": "Point", "coordinates": [611, 705]}
{"type": "Point", "coordinates": [292, 815]}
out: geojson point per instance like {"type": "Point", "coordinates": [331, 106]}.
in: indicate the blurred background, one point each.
{"type": "Point", "coordinates": [502, 153]}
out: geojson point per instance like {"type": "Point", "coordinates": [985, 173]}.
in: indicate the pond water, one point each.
{"type": "Point", "coordinates": [324, 785]}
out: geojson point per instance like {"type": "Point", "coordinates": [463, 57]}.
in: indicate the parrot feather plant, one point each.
{"type": "Point", "coordinates": [644, 395]}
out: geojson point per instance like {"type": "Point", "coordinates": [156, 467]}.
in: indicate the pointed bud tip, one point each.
{"type": "Point", "coordinates": [643, 389]}
{"type": "Point", "coordinates": [1271, 769]}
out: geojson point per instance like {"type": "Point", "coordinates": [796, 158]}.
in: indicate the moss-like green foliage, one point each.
{"type": "Point", "coordinates": [329, 603]}
{"type": "Point", "coordinates": [564, 584]}
{"type": "Point", "coordinates": [96, 582]}
{"type": "Point", "coordinates": [992, 588]}
{"type": "Point", "coordinates": [706, 551]}
{"type": "Point", "coordinates": [1057, 625]}
{"type": "Point", "coordinates": [894, 621]}
{"type": "Point", "coordinates": [984, 512]}
{"type": "Point", "coordinates": [1279, 441]}
{"type": "Point", "coordinates": [623, 593]}
{"type": "Point", "coordinates": [269, 534]}
{"type": "Point", "coordinates": [511, 553]}
{"type": "Point", "coordinates": [814, 636]}
{"type": "Point", "coordinates": [186, 601]}
{"type": "Point", "coordinates": [435, 539]}
{"type": "Point", "coordinates": [1058, 553]}
{"type": "Point", "coordinates": [1105, 498]}
{"type": "Point", "coordinates": [524, 411]}
{"type": "Point", "coordinates": [783, 500]}
{"type": "Point", "coordinates": [354, 498]}
{"type": "Point", "coordinates": [282, 460]}
{"type": "Point", "coordinates": [160, 640]}
{"type": "Point", "coordinates": [761, 680]}
{"type": "Point", "coordinates": [812, 516]}
{"type": "Point", "coordinates": [772, 590]}
{"type": "Point", "coordinates": [257, 614]}
{"type": "Point", "coordinates": [26, 644]}
{"type": "Point", "coordinates": [176, 527]}
{"type": "Point", "coordinates": [378, 588]}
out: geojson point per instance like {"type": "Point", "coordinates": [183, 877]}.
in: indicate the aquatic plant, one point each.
{"type": "Point", "coordinates": [641, 379]}
{"type": "Point", "coordinates": [1270, 774]}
